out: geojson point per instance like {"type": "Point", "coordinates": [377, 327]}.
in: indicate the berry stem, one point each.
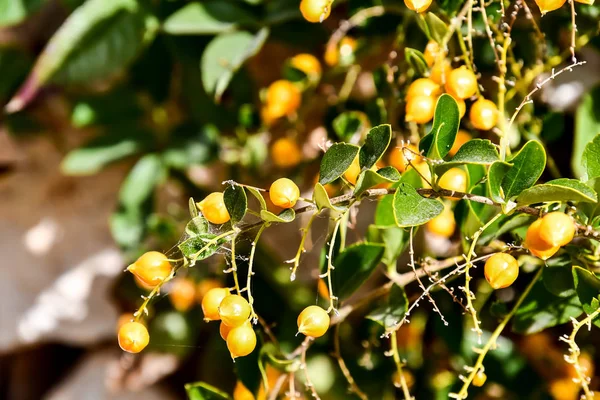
{"type": "Point", "coordinates": [250, 273]}
{"type": "Point", "coordinates": [234, 266]}
{"type": "Point", "coordinates": [306, 231]}
{"type": "Point", "coordinates": [303, 366]}
{"type": "Point", "coordinates": [504, 145]}
{"type": "Point", "coordinates": [396, 356]}
{"type": "Point", "coordinates": [345, 371]}
{"type": "Point", "coordinates": [330, 266]}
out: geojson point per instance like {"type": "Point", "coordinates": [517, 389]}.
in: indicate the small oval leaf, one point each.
{"type": "Point", "coordinates": [438, 142]}
{"type": "Point", "coordinates": [528, 165]}
{"type": "Point", "coordinates": [286, 215]}
{"type": "Point", "coordinates": [412, 209]}
{"type": "Point", "coordinates": [336, 161]}
{"type": "Point", "coordinates": [236, 202]}
{"type": "Point", "coordinates": [558, 190]}
{"type": "Point", "coordinates": [377, 141]}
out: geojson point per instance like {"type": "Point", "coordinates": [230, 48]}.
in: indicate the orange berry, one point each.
{"type": "Point", "coordinates": [286, 153]}
{"type": "Point", "coordinates": [151, 268]}
{"type": "Point", "coordinates": [267, 115]}
{"type": "Point", "coordinates": [432, 50]}
{"type": "Point", "coordinates": [409, 378]}
{"type": "Point", "coordinates": [284, 193]}
{"type": "Point", "coordinates": [462, 107]}
{"type": "Point", "coordinates": [142, 285]}
{"type": "Point", "coordinates": [501, 270]}
{"type": "Point", "coordinates": [399, 157]}
{"type": "Point", "coordinates": [443, 225]}
{"type": "Point", "coordinates": [123, 319]}
{"type": "Point", "coordinates": [557, 228]}
{"type": "Point", "coordinates": [484, 114]}
{"type": "Point", "coordinates": [283, 98]}
{"type": "Point", "coordinates": [346, 47]}
{"type": "Point", "coordinates": [550, 5]}
{"type": "Point", "coordinates": [315, 10]}
{"type": "Point", "coordinates": [234, 310]}
{"type": "Point", "coordinates": [479, 379]}
{"type": "Point", "coordinates": [461, 83]}
{"type": "Point", "coordinates": [455, 179]}
{"type": "Point", "coordinates": [440, 72]}
{"type": "Point", "coordinates": [420, 109]}
{"type": "Point", "coordinates": [423, 87]}
{"type": "Point", "coordinates": [241, 392]}
{"type": "Point", "coordinates": [313, 321]}
{"type": "Point", "coordinates": [323, 289]}
{"type": "Point", "coordinates": [211, 302]}
{"type": "Point", "coordinates": [182, 294]}
{"type": "Point", "coordinates": [462, 137]}
{"type": "Point", "coordinates": [418, 5]}
{"type": "Point", "coordinates": [204, 286]}
{"type": "Point", "coordinates": [425, 173]}
{"type": "Point", "coordinates": [133, 337]}
{"type": "Point", "coordinates": [241, 341]}
{"type": "Point", "coordinates": [306, 63]}
{"type": "Point", "coordinates": [224, 329]}
{"type": "Point", "coordinates": [213, 208]}
{"type": "Point", "coordinates": [564, 389]}
{"type": "Point", "coordinates": [536, 245]}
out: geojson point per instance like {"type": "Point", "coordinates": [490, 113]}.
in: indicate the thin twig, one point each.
{"type": "Point", "coordinates": [345, 371]}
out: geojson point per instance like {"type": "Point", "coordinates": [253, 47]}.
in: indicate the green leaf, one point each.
{"type": "Point", "coordinates": [438, 142]}
{"type": "Point", "coordinates": [558, 280]}
{"type": "Point", "coordinates": [256, 193]}
{"type": "Point", "coordinates": [369, 178]}
{"type": "Point", "coordinates": [412, 209]}
{"type": "Point", "coordinates": [348, 124]}
{"type": "Point", "coordinates": [528, 165]}
{"type": "Point", "coordinates": [541, 309]}
{"type": "Point", "coordinates": [197, 226]}
{"type": "Point", "coordinates": [475, 151]}
{"type": "Point", "coordinates": [201, 246]}
{"type": "Point", "coordinates": [321, 198]}
{"type": "Point", "coordinates": [141, 181]}
{"type": "Point", "coordinates": [496, 174]}
{"type": "Point", "coordinates": [563, 189]}
{"type": "Point", "coordinates": [384, 213]}
{"type": "Point", "coordinates": [354, 265]}
{"type": "Point", "coordinates": [208, 18]}
{"type": "Point", "coordinates": [204, 391]}
{"type": "Point", "coordinates": [395, 240]}
{"type": "Point", "coordinates": [13, 12]}
{"type": "Point", "coordinates": [591, 158]}
{"type": "Point", "coordinates": [286, 215]}
{"type": "Point", "coordinates": [433, 27]}
{"type": "Point", "coordinates": [192, 208]}
{"type": "Point", "coordinates": [336, 161]}
{"type": "Point", "coordinates": [224, 55]}
{"type": "Point", "coordinates": [190, 145]}
{"type": "Point", "coordinates": [390, 314]}
{"type": "Point", "coordinates": [377, 141]}
{"type": "Point", "coordinates": [587, 127]}
{"type": "Point", "coordinates": [416, 60]}
{"type": "Point", "coordinates": [236, 202]}
{"type": "Point", "coordinates": [97, 40]}
{"type": "Point", "coordinates": [127, 228]}
{"type": "Point", "coordinates": [587, 285]}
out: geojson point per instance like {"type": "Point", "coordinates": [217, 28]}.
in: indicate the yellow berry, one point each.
{"type": "Point", "coordinates": [285, 153]}
{"type": "Point", "coordinates": [557, 228]}
{"type": "Point", "coordinates": [133, 337]}
{"type": "Point", "coordinates": [151, 268]}
{"type": "Point", "coordinates": [306, 63]}
{"type": "Point", "coordinates": [462, 107]}
{"type": "Point", "coordinates": [536, 245]}
{"type": "Point", "coordinates": [423, 87]}
{"type": "Point", "coordinates": [564, 389]}
{"type": "Point", "coordinates": [461, 83]}
{"type": "Point", "coordinates": [425, 173]}
{"type": "Point", "coordinates": [241, 341]}
{"type": "Point", "coordinates": [399, 157]}
{"type": "Point", "coordinates": [315, 10]}
{"type": "Point", "coordinates": [351, 174]}
{"type": "Point", "coordinates": [462, 137]}
{"type": "Point", "coordinates": [443, 225]}
{"type": "Point", "coordinates": [484, 114]}
{"type": "Point", "coordinates": [213, 208]}
{"type": "Point", "coordinates": [234, 310]}
{"type": "Point", "coordinates": [440, 72]}
{"type": "Point", "coordinates": [267, 115]}
{"type": "Point", "coordinates": [241, 392]}
{"type": "Point", "coordinates": [123, 319]}
{"type": "Point", "coordinates": [313, 321]}
{"type": "Point", "coordinates": [432, 50]}
{"type": "Point", "coordinates": [204, 286]}
{"type": "Point", "coordinates": [550, 5]}
{"type": "Point", "coordinates": [211, 302]}
{"type": "Point", "coordinates": [283, 98]}
{"type": "Point", "coordinates": [420, 109]}
{"type": "Point", "coordinates": [183, 294]}
{"type": "Point", "coordinates": [284, 193]}
{"type": "Point", "coordinates": [418, 5]}
{"type": "Point", "coordinates": [479, 379]}
{"type": "Point", "coordinates": [224, 329]}
{"type": "Point", "coordinates": [455, 179]}
{"type": "Point", "coordinates": [501, 270]}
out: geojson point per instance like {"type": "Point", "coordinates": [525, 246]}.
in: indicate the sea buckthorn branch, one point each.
{"type": "Point", "coordinates": [292, 390]}
{"type": "Point", "coordinates": [330, 266]}
{"type": "Point", "coordinates": [574, 352]}
{"type": "Point", "coordinates": [462, 394]}
{"type": "Point", "coordinates": [573, 31]}
{"type": "Point", "coordinates": [277, 387]}
{"type": "Point", "coordinates": [253, 315]}
{"type": "Point", "coordinates": [301, 249]}
{"type": "Point", "coordinates": [396, 357]}
{"type": "Point", "coordinates": [504, 145]}
{"type": "Point", "coordinates": [345, 371]}
{"type": "Point", "coordinates": [488, 30]}
{"type": "Point", "coordinates": [233, 268]}
{"type": "Point", "coordinates": [311, 387]}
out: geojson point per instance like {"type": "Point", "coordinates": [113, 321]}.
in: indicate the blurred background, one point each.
{"type": "Point", "coordinates": [117, 111]}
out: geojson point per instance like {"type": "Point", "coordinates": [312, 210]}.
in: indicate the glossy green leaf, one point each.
{"type": "Point", "coordinates": [354, 265]}
{"type": "Point", "coordinates": [348, 124]}
{"type": "Point", "coordinates": [204, 391]}
{"type": "Point", "coordinates": [563, 189]}
{"type": "Point", "coordinates": [224, 55]}
{"type": "Point", "coordinates": [475, 151]}
{"type": "Point", "coordinates": [412, 209]}
{"type": "Point", "coordinates": [127, 227]}
{"type": "Point", "coordinates": [13, 12]}
{"type": "Point", "coordinates": [201, 246]}
{"type": "Point", "coordinates": [438, 142]}
{"type": "Point", "coordinates": [139, 184]}
{"type": "Point", "coordinates": [286, 215]}
{"type": "Point", "coordinates": [587, 286]}
{"type": "Point", "coordinates": [258, 194]}
{"type": "Point", "coordinates": [416, 59]}
{"type": "Point", "coordinates": [321, 198]}
{"type": "Point", "coordinates": [496, 174]}
{"type": "Point", "coordinates": [391, 313]}
{"type": "Point", "coordinates": [377, 141]}
{"type": "Point", "coordinates": [191, 146]}
{"type": "Point", "coordinates": [336, 161]}
{"type": "Point", "coordinates": [558, 280]}
{"type": "Point", "coordinates": [369, 178]}
{"type": "Point", "coordinates": [192, 208]}
{"type": "Point", "coordinates": [528, 165]}
{"type": "Point", "coordinates": [395, 240]}
{"type": "Point", "coordinates": [236, 202]}
{"type": "Point", "coordinates": [587, 127]}
{"type": "Point", "coordinates": [197, 226]}
{"type": "Point", "coordinates": [591, 158]}
{"type": "Point", "coordinates": [433, 27]}
{"type": "Point", "coordinates": [384, 213]}
{"type": "Point", "coordinates": [208, 18]}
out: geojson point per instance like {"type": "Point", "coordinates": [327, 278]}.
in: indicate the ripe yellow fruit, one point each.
{"type": "Point", "coordinates": [284, 193]}
{"type": "Point", "coordinates": [313, 321]}
{"type": "Point", "coordinates": [423, 87]}
{"type": "Point", "coordinates": [462, 137]}
{"type": "Point", "coordinates": [151, 268]}
{"type": "Point", "coordinates": [564, 389]}
{"type": "Point", "coordinates": [418, 5]}
{"type": "Point", "coordinates": [225, 329]}
{"type": "Point", "coordinates": [462, 107]}
{"type": "Point", "coordinates": [123, 319]}
{"type": "Point", "coordinates": [241, 392]}
{"type": "Point", "coordinates": [307, 63]}
{"type": "Point", "coordinates": [455, 179]}
{"type": "Point", "coordinates": [501, 270]}
{"type": "Point", "coordinates": [133, 337]}
{"type": "Point", "coordinates": [351, 174]}
{"type": "Point", "coordinates": [484, 114]}
{"type": "Point", "coordinates": [211, 302]}
{"type": "Point", "coordinates": [550, 5]}
{"type": "Point", "coordinates": [399, 157]}
{"type": "Point", "coordinates": [182, 294]}
{"type": "Point", "coordinates": [461, 83]}
{"type": "Point", "coordinates": [346, 47]}
{"type": "Point", "coordinates": [440, 72]}
{"type": "Point", "coordinates": [283, 98]}
{"type": "Point", "coordinates": [234, 310]}
{"type": "Point", "coordinates": [285, 153]}
{"type": "Point", "coordinates": [241, 341]}
{"type": "Point", "coordinates": [479, 379]}
{"type": "Point", "coordinates": [443, 225]}
{"type": "Point", "coordinates": [420, 109]}
{"type": "Point", "coordinates": [213, 208]}
{"type": "Point", "coordinates": [425, 173]}
{"type": "Point", "coordinates": [557, 228]}
{"type": "Point", "coordinates": [431, 53]}
{"type": "Point", "coordinates": [536, 245]}
{"type": "Point", "coordinates": [204, 286]}
{"type": "Point", "coordinates": [315, 10]}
